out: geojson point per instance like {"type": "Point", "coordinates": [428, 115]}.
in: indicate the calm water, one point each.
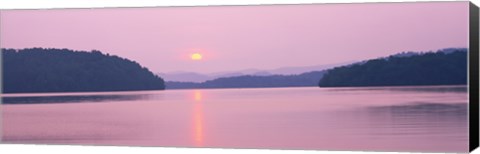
{"type": "Point", "coordinates": [418, 119]}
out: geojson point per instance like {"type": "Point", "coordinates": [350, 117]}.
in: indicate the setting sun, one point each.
{"type": "Point", "coordinates": [196, 56]}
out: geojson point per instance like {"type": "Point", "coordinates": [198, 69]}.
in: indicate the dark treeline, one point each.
{"type": "Point", "coordinates": [63, 70]}
{"type": "Point", "coordinates": [445, 67]}
{"type": "Point", "coordinates": [250, 81]}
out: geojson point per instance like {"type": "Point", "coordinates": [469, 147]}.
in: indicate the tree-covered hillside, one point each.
{"type": "Point", "coordinates": [429, 68]}
{"type": "Point", "coordinates": [62, 70]}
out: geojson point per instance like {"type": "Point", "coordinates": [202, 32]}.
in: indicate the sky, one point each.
{"type": "Point", "coordinates": [233, 38]}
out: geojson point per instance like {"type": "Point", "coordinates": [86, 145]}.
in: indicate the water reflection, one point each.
{"type": "Point", "coordinates": [275, 118]}
{"type": "Point", "coordinates": [71, 99]}
{"type": "Point", "coordinates": [197, 95]}
{"type": "Point", "coordinates": [430, 89]}
{"type": "Point", "coordinates": [424, 108]}
{"type": "Point", "coordinates": [421, 119]}
{"type": "Point", "coordinates": [198, 118]}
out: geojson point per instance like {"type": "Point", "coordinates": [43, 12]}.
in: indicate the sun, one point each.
{"type": "Point", "coordinates": [196, 56]}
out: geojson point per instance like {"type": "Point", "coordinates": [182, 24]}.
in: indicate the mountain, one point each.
{"type": "Point", "coordinates": [62, 70]}
{"type": "Point", "coordinates": [185, 77]}
{"type": "Point", "coordinates": [451, 50]}
{"type": "Point", "coordinates": [252, 72]}
{"type": "Point", "coordinates": [251, 81]}
{"type": "Point", "coordinates": [198, 77]}
{"type": "Point", "coordinates": [413, 53]}
{"type": "Point", "coordinates": [302, 69]}
{"type": "Point", "coordinates": [444, 67]}
{"type": "Point", "coordinates": [405, 54]}
{"type": "Point", "coordinates": [235, 73]}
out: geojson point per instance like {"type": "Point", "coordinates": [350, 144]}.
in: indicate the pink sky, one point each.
{"type": "Point", "coordinates": [242, 37]}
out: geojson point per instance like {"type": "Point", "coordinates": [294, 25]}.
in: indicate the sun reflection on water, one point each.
{"type": "Point", "coordinates": [198, 118]}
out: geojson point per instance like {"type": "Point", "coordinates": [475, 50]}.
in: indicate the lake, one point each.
{"type": "Point", "coordinates": [415, 119]}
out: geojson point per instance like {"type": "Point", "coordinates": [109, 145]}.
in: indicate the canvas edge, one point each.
{"type": "Point", "coordinates": [473, 64]}
{"type": "Point", "coordinates": [1, 81]}
{"type": "Point", "coordinates": [233, 5]}
{"type": "Point", "coordinates": [473, 87]}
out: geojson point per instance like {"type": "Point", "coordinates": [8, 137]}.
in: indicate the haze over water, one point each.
{"type": "Point", "coordinates": [419, 118]}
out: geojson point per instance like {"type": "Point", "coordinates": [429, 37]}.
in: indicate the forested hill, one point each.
{"type": "Point", "coordinates": [444, 67]}
{"type": "Point", "coordinates": [251, 81]}
{"type": "Point", "coordinates": [62, 70]}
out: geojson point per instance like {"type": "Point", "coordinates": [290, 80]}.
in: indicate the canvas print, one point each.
{"type": "Point", "coordinates": [370, 77]}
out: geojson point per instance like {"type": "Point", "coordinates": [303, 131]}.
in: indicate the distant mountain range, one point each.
{"type": "Point", "coordinates": [308, 79]}
{"type": "Point", "coordinates": [198, 77]}
{"type": "Point", "coordinates": [185, 76]}
{"type": "Point", "coordinates": [444, 67]}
